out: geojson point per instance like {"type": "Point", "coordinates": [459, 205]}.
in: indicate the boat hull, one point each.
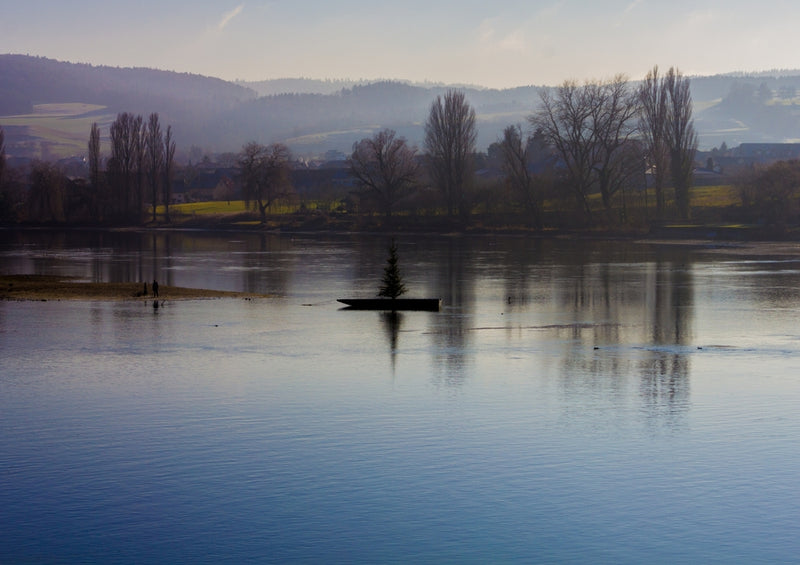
{"type": "Point", "coordinates": [393, 305]}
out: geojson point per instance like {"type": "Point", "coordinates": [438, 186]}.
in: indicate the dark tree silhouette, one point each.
{"type": "Point", "coordinates": [93, 148]}
{"type": "Point", "coordinates": [681, 137]}
{"type": "Point", "coordinates": [124, 165]}
{"type": "Point", "coordinates": [154, 157]}
{"type": "Point", "coordinates": [385, 166]}
{"type": "Point", "coordinates": [169, 165]}
{"type": "Point", "coordinates": [450, 136]}
{"type": "Point", "coordinates": [46, 194]}
{"type": "Point", "coordinates": [771, 194]}
{"type": "Point", "coordinates": [653, 124]}
{"type": "Point", "coordinates": [515, 151]}
{"type": "Point", "coordinates": [614, 119]}
{"type": "Point", "coordinates": [2, 156]}
{"type": "Point", "coordinates": [265, 174]}
{"type": "Point", "coordinates": [392, 286]}
{"type": "Point", "coordinates": [592, 128]}
{"type": "Point", "coordinates": [564, 118]}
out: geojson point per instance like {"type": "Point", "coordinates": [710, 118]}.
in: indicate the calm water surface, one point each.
{"type": "Point", "coordinates": [574, 402]}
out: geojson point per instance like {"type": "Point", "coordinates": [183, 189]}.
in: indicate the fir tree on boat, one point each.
{"type": "Point", "coordinates": [391, 289]}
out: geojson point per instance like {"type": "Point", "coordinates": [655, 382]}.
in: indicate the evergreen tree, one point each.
{"type": "Point", "coordinates": [392, 280]}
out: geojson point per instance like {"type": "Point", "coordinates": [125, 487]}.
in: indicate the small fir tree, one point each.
{"type": "Point", "coordinates": [392, 286]}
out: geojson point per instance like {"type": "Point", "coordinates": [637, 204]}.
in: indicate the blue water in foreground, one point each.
{"type": "Point", "coordinates": [572, 403]}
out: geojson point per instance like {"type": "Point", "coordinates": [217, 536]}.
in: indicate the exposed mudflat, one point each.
{"type": "Point", "coordinates": [47, 287]}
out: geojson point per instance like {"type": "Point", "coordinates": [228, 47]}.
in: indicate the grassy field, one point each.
{"type": "Point", "coordinates": [234, 207]}
{"type": "Point", "coordinates": [720, 196]}
{"type": "Point", "coordinates": [206, 208]}
{"type": "Point", "coordinates": [60, 130]}
{"type": "Point", "coordinates": [710, 205]}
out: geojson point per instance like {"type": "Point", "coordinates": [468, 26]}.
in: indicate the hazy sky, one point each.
{"type": "Point", "coordinates": [499, 43]}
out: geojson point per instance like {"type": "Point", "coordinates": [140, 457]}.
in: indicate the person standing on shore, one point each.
{"type": "Point", "coordinates": [155, 288]}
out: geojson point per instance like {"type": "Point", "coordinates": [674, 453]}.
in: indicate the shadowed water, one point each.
{"type": "Point", "coordinates": [573, 402]}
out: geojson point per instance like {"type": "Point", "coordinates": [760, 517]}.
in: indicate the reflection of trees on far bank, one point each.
{"type": "Point", "coordinates": [267, 264]}
{"type": "Point", "coordinates": [609, 312]}
{"type": "Point", "coordinates": [257, 263]}
{"type": "Point", "coordinates": [630, 319]}
{"type": "Point", "coordinates": [249, 262]}
{"type": "Point", "coordinates": [454, 283]}
{"type": "Point", "coordinates": [555, 300]}
{"type": "Point", "coordinates": [521, 275]}
{"type": "Point", "coordinates": [665, 371]}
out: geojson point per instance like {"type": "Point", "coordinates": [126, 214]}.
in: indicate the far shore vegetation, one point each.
{"type": "Point", "coordinates": [717, 206]}
{"type": "Point", "coordinates": [598, 158]}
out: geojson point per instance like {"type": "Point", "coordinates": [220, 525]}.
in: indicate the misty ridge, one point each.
{"type": "Point", "coordinates": [317, 116]}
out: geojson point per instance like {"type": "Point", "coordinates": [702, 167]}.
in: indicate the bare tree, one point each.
{"type": "Point", "coordinates": [681, 137]}
{"type": "Point", "coordinates": [93, 149]}
{"type": "Point", "coordinates": [154, 149]}
{"type": "Point", "coordinates": [120, 165]}
{"type": "Point", "coordinates": [47, 191]}
{"type": "Point", "coordinates": [2, 156]}
{"type": "Point", "coordinates": [140, 148]}
{"type": "Point", "coordinates": [169, 165]}
{"type": "Point", "coordinates": [515, 151]}
{"type": "Point", "coordinates": [224, 190]}
{"type": "Point", "coordinates": [450, 136]}
{"type": "Point", "coordinates": [265, 175]}
{"type": "Point", "coordinates": [614, 127]}
{"type": "Point", "coordinates": [124, 166]}
{"type": "Point", "coordinates": [771, 194]}
{"type": "Point", "coordinates": [6, 201]}
{"type": "Point", "coordinates": [385, 166]}
{"type": "Point", "coordinates": [592, 128]}
{"type": "Point", "coordinates": [653, 124]}
{"type": "Point", "coordinates": [565, 119]}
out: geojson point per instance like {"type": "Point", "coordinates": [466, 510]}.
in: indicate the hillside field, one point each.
{"type": "Point", "coordinates": [60, 130]}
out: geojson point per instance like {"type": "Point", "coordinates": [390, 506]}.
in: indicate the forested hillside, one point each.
{"type": "Point", "coordinates": [314, 116]}
{"type": "Point", "coordinates": [36, 80]}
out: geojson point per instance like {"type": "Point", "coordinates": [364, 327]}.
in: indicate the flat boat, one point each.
{"type": "Point", "coordinates": [393, 304]}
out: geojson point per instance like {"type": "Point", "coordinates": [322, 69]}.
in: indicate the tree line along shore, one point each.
{"type": "Point", "coordinates": [593, 157]}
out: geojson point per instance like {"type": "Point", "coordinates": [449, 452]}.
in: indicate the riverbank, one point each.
{"type": "Point", "coordinates": [319, 223]}
{"type": "Point", "coordinates": [47, 287]}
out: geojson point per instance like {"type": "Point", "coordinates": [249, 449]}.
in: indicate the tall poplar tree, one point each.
{"type": "Point", "coordinates": [450, 136]}
{"type": "Point", "coordinates": [653, 124]}
{"type": "Point", "coordinates": [681, 138]}
{"type": "Point", "coordinates": [169, 165]}
{"type": "Point", "coordinates": [93, 150]}
{"type": "Point", "coordinates": [154, 150]}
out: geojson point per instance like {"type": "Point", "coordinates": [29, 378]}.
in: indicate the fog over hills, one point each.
{"type": "Point", "coordinates": [315, 116]}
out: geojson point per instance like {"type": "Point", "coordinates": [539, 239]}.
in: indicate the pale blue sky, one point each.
{"type": "Point", "coordinates": [498, 44]}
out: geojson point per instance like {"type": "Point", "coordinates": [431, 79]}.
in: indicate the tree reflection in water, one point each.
{"type": "Point", "coordinates": [392, 321]}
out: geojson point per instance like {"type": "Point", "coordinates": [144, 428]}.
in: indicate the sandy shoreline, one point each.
{"type": "Point", "coordinates": [46, 287]}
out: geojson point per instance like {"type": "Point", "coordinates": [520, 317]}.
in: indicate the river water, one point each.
{"type": "Point", "coordinates": [573, 402]}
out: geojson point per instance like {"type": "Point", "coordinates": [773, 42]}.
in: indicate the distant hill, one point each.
{"type": "Point", "coordinates": [315, 116]}
{"type": "Point", "coordinates": [37, 80]}
{"type": "Point", "coordinates": [302, 85]}
{"type": "Point", "coordinates": [740, 108]}
{"type": "Point", "coordinates": [299, 86]}
{"type": "Point", "coordinates": [189, 102]}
